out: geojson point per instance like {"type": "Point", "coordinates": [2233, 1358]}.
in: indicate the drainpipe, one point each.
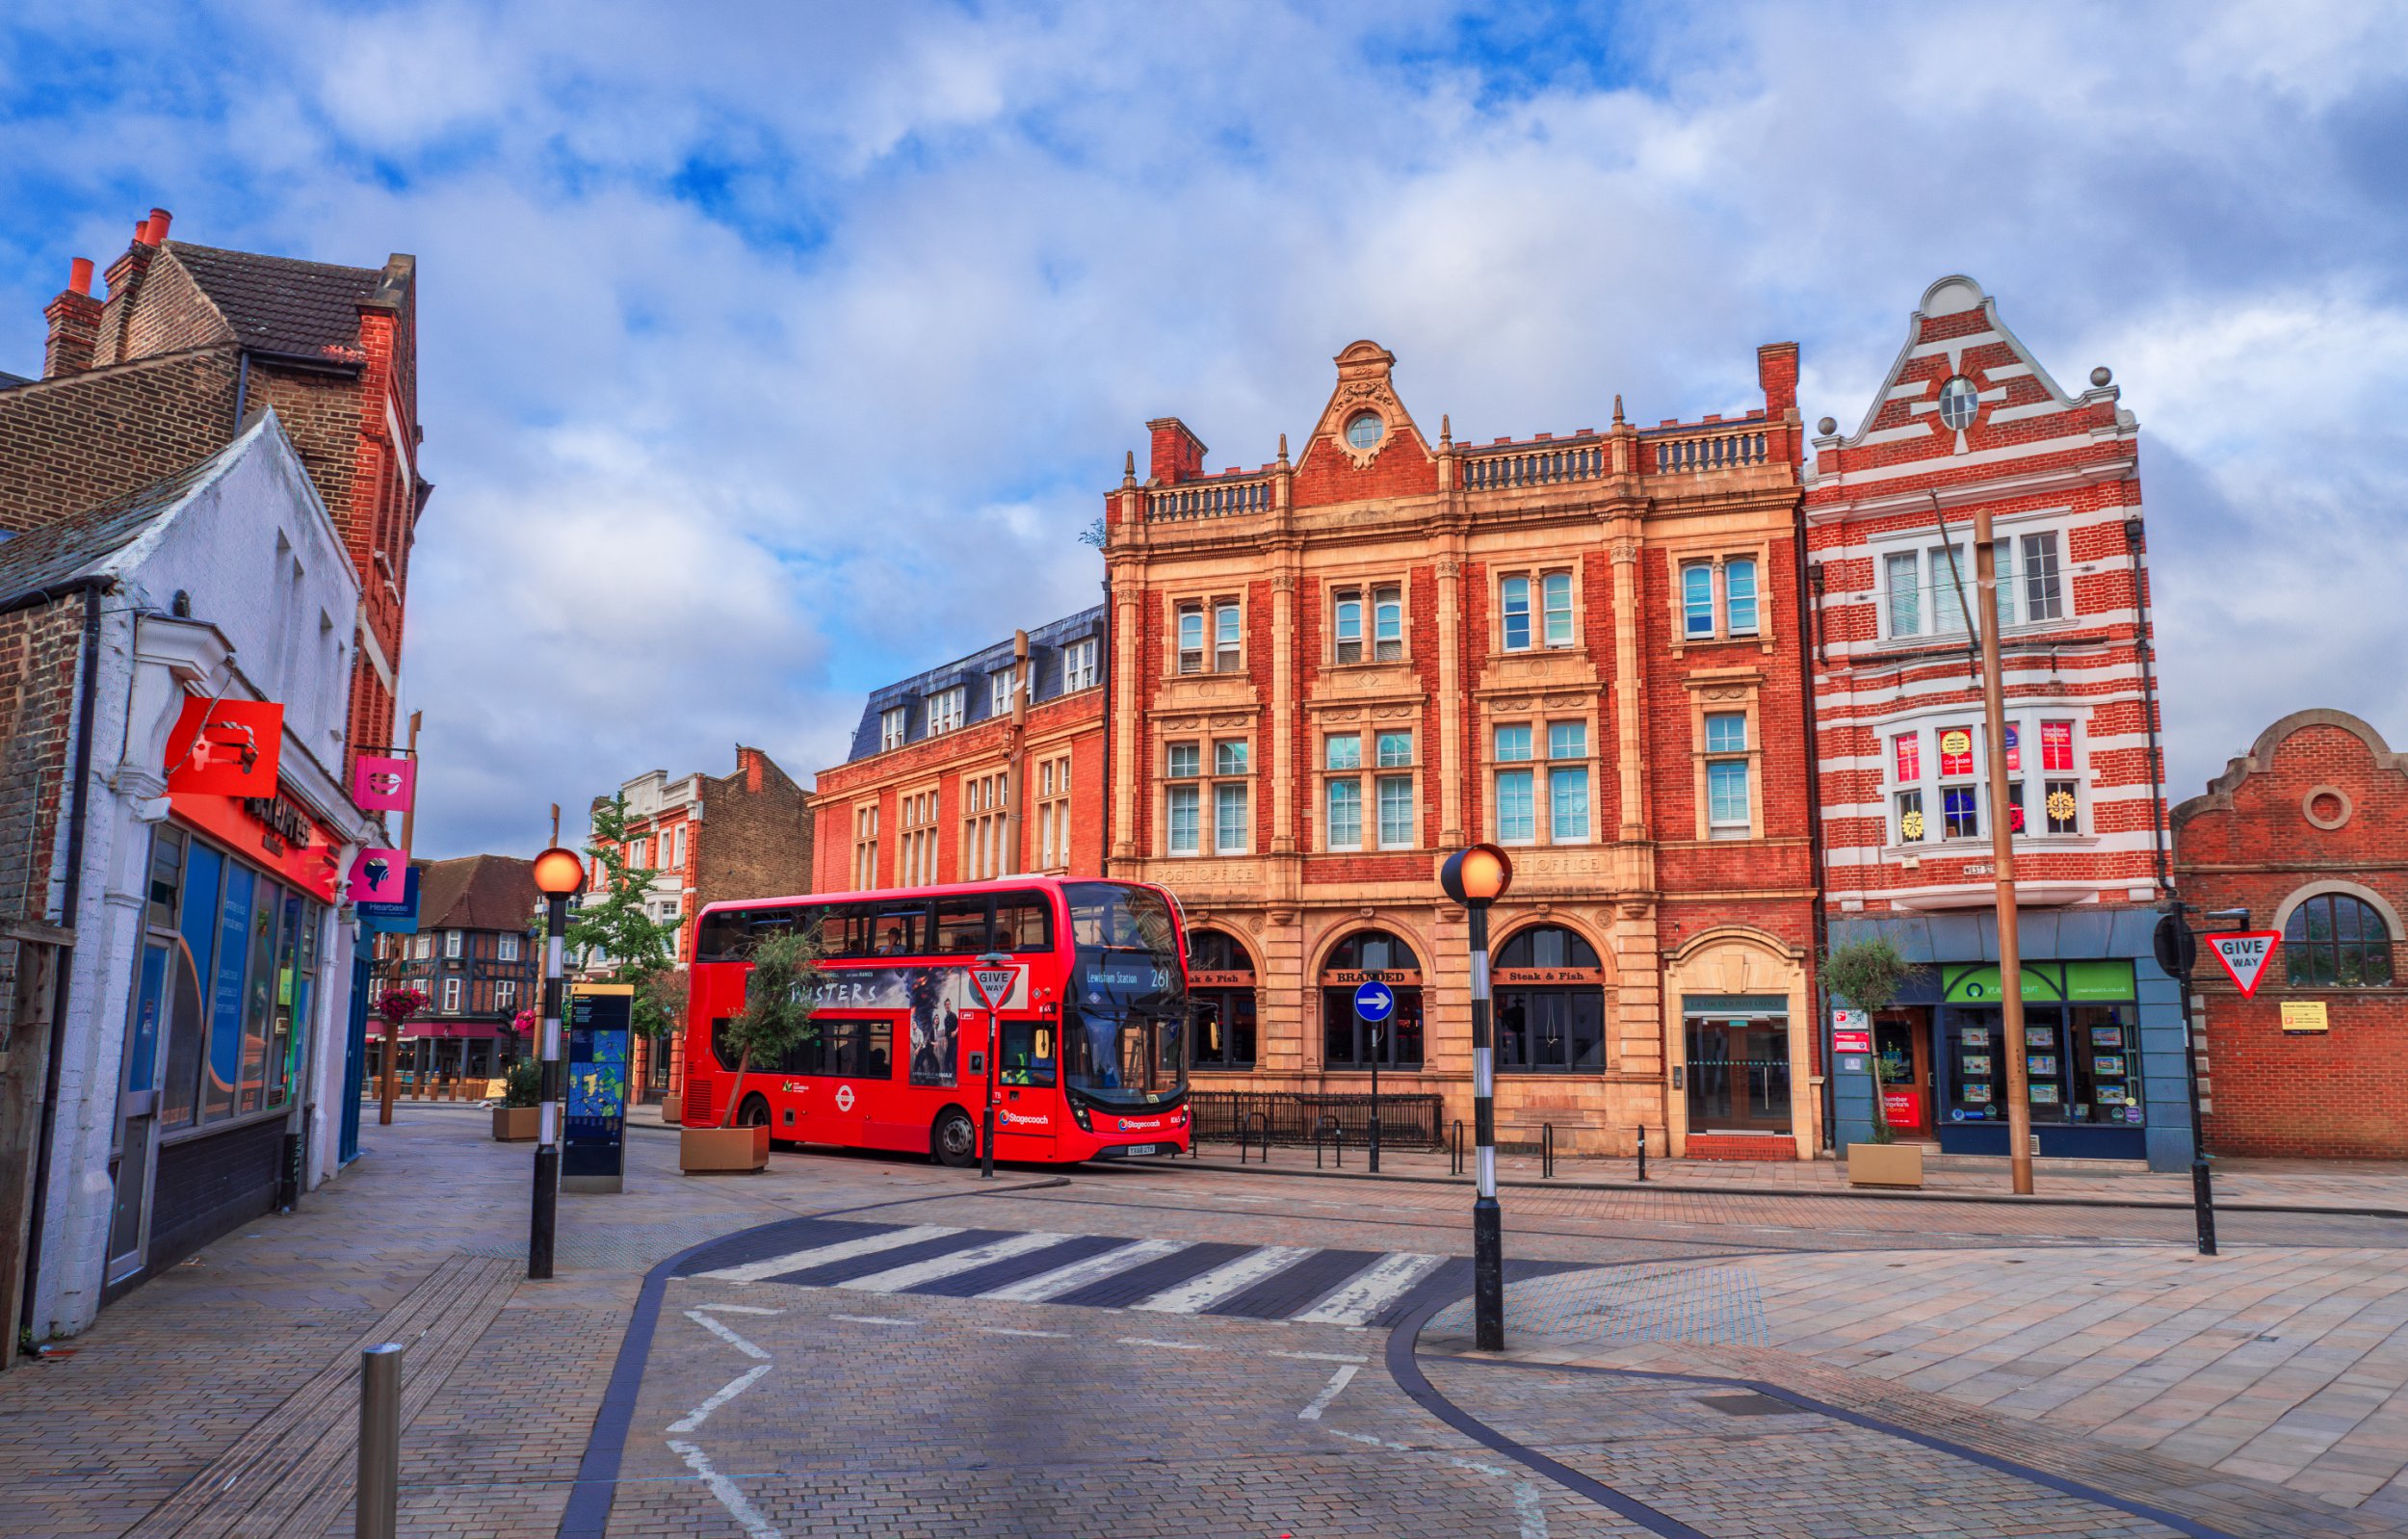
{"type": "Point", "coordinates": [1015, 764]}
{"type": "Point", "coordinates": [92, 589]}
{"type": "Point", "coordinates": [242, 391]}
{"type": "Point", "coordinates": [2133, 529]}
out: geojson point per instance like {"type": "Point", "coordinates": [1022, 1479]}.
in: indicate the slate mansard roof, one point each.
{"type": "Point", "coordinates": [1047, 646]}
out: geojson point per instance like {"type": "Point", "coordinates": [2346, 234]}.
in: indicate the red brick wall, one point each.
{"type": "Point", "coordinates": [2249, 844]}
{"type": "Point", "coordinates": [40, 650]}
{"type": "Point", "coordinates": [70, 443]}
{"type": "Point", "coordinates": [755, 839]}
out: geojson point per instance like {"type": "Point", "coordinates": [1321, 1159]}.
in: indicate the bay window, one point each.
{"type": "Point", "coordinates": [1939, 781]}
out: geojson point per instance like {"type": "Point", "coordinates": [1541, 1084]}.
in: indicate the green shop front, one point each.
{"type": "Point", "coordinates": [2102, 1047]}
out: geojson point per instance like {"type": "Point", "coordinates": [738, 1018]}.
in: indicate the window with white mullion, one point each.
{"type": "Point", "coordinates": [1939, 779]}
{"type": "Point", "coordinates": [1341, 791]}
{"type": "Point", "coordinates": [1930, 591]}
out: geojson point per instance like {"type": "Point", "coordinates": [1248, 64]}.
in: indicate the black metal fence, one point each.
{"type": "Point", "coordinates": [1405, 1121]}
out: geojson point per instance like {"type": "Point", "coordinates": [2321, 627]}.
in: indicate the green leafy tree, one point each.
{"type": "Point", "coordinates": [612, 923]}
{"type": "Point", "coordinates": [780, 994]}
{"type": "Point", "coordinates": [1870, 974]}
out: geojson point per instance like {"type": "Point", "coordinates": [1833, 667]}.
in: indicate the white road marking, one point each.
{"type": "Point", "coordinates": [1527, 1499]}
{"type": "Point", "coordinates": [895, 1279]}
{"type": "Point", "coordinates": [752, 1271]}
{"type": "Point", "coordinates": [1531, 1508]}
{"type": "Point", "coordinates": [1371, 1289]}
{"type": "Point", "coordinates": [1079, 1273]}
{"type": "Point", "coordinates": [1337, 1381]}
{"type": "Point", "coordinates": [873, 1320]}
{"type": "Point", "coordinates": [725, 1335]}
{"type": "Point", "coordinates": [734, 1309]}
{"type": "Point", "coordinates": [1176, 1346]}
{"type": "Point", "coordinates": [732, 1499]}
{"type": "Point", "coordinates": [1323, 1357]}
{"type": "Point", "coordinates": [702, 1413]}
{"type": "Point", "coordinates": [1007, 1330]}
{"type": "Point", "coordinates": [1200, 1293]}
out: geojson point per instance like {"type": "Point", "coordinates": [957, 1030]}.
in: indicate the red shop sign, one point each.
{"type": "Point", "coordinates": [273, 832]}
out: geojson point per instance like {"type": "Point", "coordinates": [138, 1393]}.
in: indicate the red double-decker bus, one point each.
{"type": "Point", "coordinates": [1091, 1042]}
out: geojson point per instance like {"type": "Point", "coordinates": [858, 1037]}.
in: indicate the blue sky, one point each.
{"type": "Point", "coordinates": [771, 353]}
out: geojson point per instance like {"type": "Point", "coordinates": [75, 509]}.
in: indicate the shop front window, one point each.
{"type": "Point", "coordinates": [1550, 1003]}
{"type": "Point", "coordinates": [1220, 980]}
{"type": "Point", "coordinates": [1737, 1072]}
{"type": "Point", "coordinates": [1351, 1043]}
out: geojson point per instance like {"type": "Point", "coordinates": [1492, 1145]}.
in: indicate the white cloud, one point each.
{"type": "Point", "coordinates": [769, 357]}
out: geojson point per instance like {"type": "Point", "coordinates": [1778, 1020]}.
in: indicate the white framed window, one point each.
{"type": "Point", "coordinates": [1077, 665]}
{"type": "Point", "coordinates": [945, 711]}
{"type": "Point", "coordinates": [865, 821]}
{"type": "Point", "coordinates": [1053, 811]}
{"type": "Point", "coordinates": [1959, 401]}
{"type": "Point", "coordinates": [452, 941]}
{"type": "Point", "coordinates": [1395, 812]}
{"type": "Point", "coordinates": [1939, 779]}
{"type": "Point", "coordinates": [1346, 626]}
{"type": "Point", "coordinates": [1729, 813]}
{"type": "Point", "coordinates": [892, 724]}
{"type": "Point", "coordinates": [1183, 799]}
{"type": "Point", "coordinates": [451, 996]}
{"type": "Point", "coordinates": [1229, 825]}
{"type": "Point", "coordinates": [982, 818]}
{"type": "Point", "coordinates": [1534, 609]}
{"type": "Point", "coordinates": [1342, 792]}
{"type": "Point", "coordinates": [1556, 596]}
{"type": "Point", "coordinates": [1517, 805]}
{"type": "Point", "coordinates": [506, 995]}
{"type": "Point", "coordinates": [1513, 607]}
{"type": "Point", "coordinates": [1928, 590]}
{"type": "Point", "coordinates": [1228, 656]}
{"type": "Point", "coordinates": [1719, 599]}
{"type": "Point", "coordinates": [1388, 624]}
{"type": "Point", "coordinates": [2043, 593]}
{"type": "Point", "coordinates": [506, 949]}
{"type": "Point", "coordinates": [1190, 637]}
{"type": "Point", "coordinates": [424, 947]}
{"type": "Point", "coordinates": [999, 693]}
{"type": "Point", "coordinates": [1567, 782]}
{"type": "Point", "coordinates": [917, 824]}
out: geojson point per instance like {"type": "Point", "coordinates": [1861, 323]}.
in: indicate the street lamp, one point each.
{"type": "Point", "coordinates": [1477, 876]}
{"type": "Point", "coordinates": [558, 873]}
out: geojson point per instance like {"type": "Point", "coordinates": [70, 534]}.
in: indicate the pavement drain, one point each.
{"type": "Point", "coordinates": [625, 1247]}
{"type": "Point", "coordinates": [1707, 1306]}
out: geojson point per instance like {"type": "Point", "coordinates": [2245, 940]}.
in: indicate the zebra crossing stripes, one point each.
{"type": "Point", "coordinates": [1308, 1284]}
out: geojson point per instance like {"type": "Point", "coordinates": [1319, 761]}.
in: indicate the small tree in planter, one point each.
{"type": "Point", "coordinates": [1871, 975]}
{"type": "Point", "coordinates": [519, 1118]}
{"type": "Point", "coordinates": [781, 992]}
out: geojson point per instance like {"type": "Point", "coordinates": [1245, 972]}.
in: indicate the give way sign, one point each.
{"type": "Point", "coordinates": [994, 984]}
{"type": "Point", "coordinates": [2244, 955]}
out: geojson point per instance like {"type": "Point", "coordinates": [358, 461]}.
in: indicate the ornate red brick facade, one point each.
{"type": "Point", "coordinates": [2304, 835]}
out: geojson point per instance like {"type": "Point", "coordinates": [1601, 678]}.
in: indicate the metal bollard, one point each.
{"type": "Point", "coordinates": [1643, 1151]}
{"type": "Point", "coordinates": [378, 1495]}
{"type": "Point", "coordinates": [1457, 1167]}
{"type": "Point", "coordinates": [1546, 1151]}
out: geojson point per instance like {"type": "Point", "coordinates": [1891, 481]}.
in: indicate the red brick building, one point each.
{"type": "Point", "coordinates": [1331, 671]}
{"type": "Point", "coordinates": [704, 839]}
{"type": "Point", "coordinates": [2307, 834]}
{"type": "Point", "coordinates": [1967, 419]}
{"type": "Point", "coordinates": [190, 343]}
{"type": "Point", "coordinates": [987, 765]}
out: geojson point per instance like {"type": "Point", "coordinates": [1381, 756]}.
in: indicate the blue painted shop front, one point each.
{"type": "Point", "coordinates": [2103, 1038]}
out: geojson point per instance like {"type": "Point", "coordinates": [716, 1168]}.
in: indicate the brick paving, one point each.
{"type": "Point", "coordinates": [924, 1414]}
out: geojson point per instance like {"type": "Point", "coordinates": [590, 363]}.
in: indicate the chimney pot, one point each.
{"type": "Point", "coordinates": [79, 276]}
{"type": "Point", "coordinates": [157, 225]}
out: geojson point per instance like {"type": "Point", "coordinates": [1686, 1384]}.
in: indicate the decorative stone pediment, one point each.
{"type": "Point", "coordinates": [1206, 691]}
{"type": "Point", "coordinates": [1523, 673]}
{"type": "Point", "coordinates": [1363, 686]}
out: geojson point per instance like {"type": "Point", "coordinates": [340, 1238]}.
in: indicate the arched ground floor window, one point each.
{"type": "Point", "coordinates": [1551, 1002]}
{"type": "Point", "coordinates": [1221, 982]}
{"type": "Point", "coordinates": [1351, 1043]}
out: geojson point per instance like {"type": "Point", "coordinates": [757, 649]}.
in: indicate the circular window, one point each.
{"type": "Point", "coordinates": [2327, 807]}
{"type": "Point", "coordinates": [1958, 402]}
{"type": "Point", "coordinates": [1365, 429]}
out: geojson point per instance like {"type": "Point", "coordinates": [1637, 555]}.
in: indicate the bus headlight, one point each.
{"type": "Point", "coordinates": [1078, 1114]}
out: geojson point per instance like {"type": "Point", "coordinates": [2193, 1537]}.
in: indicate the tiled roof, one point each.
{"type": "Point", "coordinates": [1045, 680]}
{"type": "Point", "coordinates": [76, 546]}
{"type": "Point", "coordinates": [10, 382]}
{"type": "Point", "coordinates": [476, 892]}
{"type": "Point", "coordinates": [277, 304]}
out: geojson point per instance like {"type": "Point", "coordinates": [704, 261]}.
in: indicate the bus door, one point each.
{"type": "Point", "coordinates": [1028, 1100]}
{"type": "Point", "coordinates": [858, 1060]}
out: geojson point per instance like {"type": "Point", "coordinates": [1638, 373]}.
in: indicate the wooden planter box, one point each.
{"type": "Point", "coordinates": [517, 1124]}
{"type": "Point", "coordinates": [1885, 1164]}
{"type": "Point", "coordinates": [672, 1110]}
{"type": "Point", "coordinates": [715, 1151]}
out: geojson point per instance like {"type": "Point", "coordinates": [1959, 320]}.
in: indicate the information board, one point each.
{"type": "Point", "coordinates": [593, 1125]}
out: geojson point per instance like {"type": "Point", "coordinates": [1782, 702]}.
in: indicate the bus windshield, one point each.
{"type": "Point", "coordinates": [1125, 1013]}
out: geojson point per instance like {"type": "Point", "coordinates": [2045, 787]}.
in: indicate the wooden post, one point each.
{"type": "Point", "coordinates": [2003, 855]}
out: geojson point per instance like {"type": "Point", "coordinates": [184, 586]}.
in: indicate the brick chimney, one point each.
{"type": "Point", "coordinates": [1777, 370]}
{"type": "Point", "coordinates": [750, 760]}
{"type": "Point", "coordinates": [1178, 454]}
{"type": "Point", "coordinates": [75, 318]}
{"type": "Point", "coordinates": [125, 275]}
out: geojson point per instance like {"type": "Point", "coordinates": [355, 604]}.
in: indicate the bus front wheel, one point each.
{"type": "Point", "coordinates": [954, 1141]}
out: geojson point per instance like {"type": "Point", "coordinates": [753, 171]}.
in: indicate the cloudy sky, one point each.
{"type": "Point", "coordinates": [768, 353]}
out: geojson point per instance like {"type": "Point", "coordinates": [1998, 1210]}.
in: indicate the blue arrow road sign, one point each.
{"type": "Point", "coordinates": [1374, 1001]}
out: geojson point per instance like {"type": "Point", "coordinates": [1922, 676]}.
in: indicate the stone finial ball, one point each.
{"type": "Point", "coordinates": [2101, 374]}
{"type": "Point", "coordinates": [1828, 427]}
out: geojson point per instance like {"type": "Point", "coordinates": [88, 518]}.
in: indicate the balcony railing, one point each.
{"type": "Point", "coordinates": [1673, 450]}
{"type": "Point", "coordinates": [1501, 467]}
{"type": "Point", "coordinates": [1214, 499]}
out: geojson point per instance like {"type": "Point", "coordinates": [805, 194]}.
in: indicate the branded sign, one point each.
{"type": "Point", "coordinates": [594, 1130]}
{"type": "Point", "coordinates": [379, 877]}
{"type": "Point", "coordinates": [2244, 955]}
{"type": "Point", "coordinates": [1526, 976]}
{"type": "Point", "coordinates": [383, 783]}
{"type": "Point", "coordinates": [225, 747]}
{"type": "Point", "coordinates": [398, 917]}
{"type": "Point", "coordinates": [1347, 977]}
{"type": "Point", "coordinates": [1851, 1041]}
{"type": "Point", "coordinates": [1211, 977]}
{"type": "Point", "coordinates": [287, 825]}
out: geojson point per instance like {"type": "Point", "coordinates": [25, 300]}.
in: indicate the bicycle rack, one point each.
{"type": "Point", "coordinates": [1338, 1142]}
{"type": "Point", "coordinates": [1246, 1129]}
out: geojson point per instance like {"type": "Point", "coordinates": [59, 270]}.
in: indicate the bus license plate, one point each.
{"type": "Point", "coordinates": [1141, 1148]}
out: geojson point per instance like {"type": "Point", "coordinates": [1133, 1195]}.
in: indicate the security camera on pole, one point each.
{"type": "Point", "coordinates": [558, 873]}
{"type": "Point", "coordinates": [1477, 876]}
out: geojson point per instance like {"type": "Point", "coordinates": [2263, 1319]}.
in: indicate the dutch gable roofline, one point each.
{"type": "Point", "coordinates": [2219, 797]}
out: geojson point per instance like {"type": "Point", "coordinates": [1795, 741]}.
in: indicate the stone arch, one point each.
{"type": "Point", "coordinates": [1599, 939]}
{"type": "Point", "coordinates": [2317, 889]}
{"type": "Point", "coordinates": [1317, 955]}
{"type": "Point", "coordinates": [1742, 961]}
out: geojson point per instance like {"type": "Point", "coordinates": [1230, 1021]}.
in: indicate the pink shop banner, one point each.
{"type": "Point", "coordinates": [379, 877]}
{"type": "Point", "coordinates": [383, 784]}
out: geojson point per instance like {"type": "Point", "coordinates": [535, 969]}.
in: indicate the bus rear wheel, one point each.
{"type": "Point", "coordinates": [754, 1112]}
{"type": "Point", "coordinates": [954, 1141]}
